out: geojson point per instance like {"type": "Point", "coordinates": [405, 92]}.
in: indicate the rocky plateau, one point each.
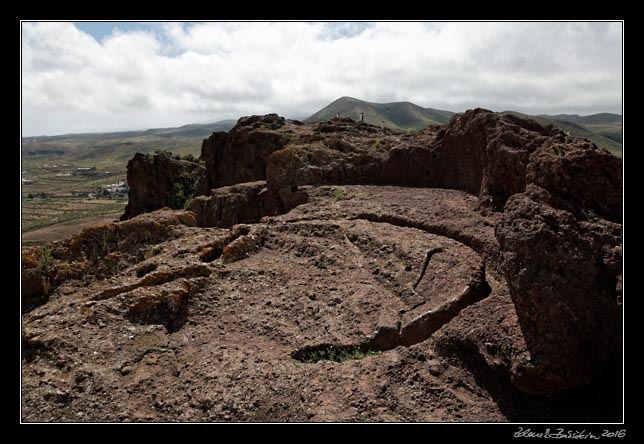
{"type": "Point", "coordinates": [341, 272]}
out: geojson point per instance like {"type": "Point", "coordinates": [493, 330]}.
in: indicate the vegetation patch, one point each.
{"type": "Point", "coordinates": [589, 215]}
{"type": "Point", "coordinates": [335, 353]}
{"type": "Point", "coordinates": [45, 259]}
{"type": "Point", "coordinates": [184, 189]}
{"type": "Point", "coordinates": [339, 194]}
{"type": "Point", "coordinates": [380, 145]}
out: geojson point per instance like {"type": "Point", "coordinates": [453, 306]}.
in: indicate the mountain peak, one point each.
{"type": "Point", "coordinates": [395, 115]}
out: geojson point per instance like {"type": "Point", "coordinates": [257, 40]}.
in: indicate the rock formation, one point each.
{"type": "Point", "coordinates": [158, 181]}
{"type": "Point", "coordinates": [341, 272]}
{"type": "Point", "coordinates": [240, 155]}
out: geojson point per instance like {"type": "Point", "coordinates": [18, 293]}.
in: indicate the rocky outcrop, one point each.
{"type": "Point", "coordinates": [562, 274]}
{"type": "Point", "coordinates": [467, 271]}
{"type": "Point", "coordinates": [345, 152]}
{"type": "Point", "coordinates": [580, 178]}
{"type": "Point", "coordinates": [240, 155]}
{"type": "Point", "coordinates": [236, 204]}
{"type": "Point", "coordinates": [554, 322]}
{"type": "Point", "coordinates": [158, 181]}
{"type": "Point", "coordinates": [95, 253]}
{"type": "Point", "coordinates": [487, 153]}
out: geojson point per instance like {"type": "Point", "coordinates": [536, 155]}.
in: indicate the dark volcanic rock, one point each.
{"type": "Point", "coordinates": [487, 153]}
{"type": "Point", "coordinates": [228, 206]}
{"type": "Point", "coordinates": [151, 180]}
{"type": "Point", "coordinates": [487, 338]}
{"type": "Point", "coordinates": [563, 276]}
{"type": "Point", "coordinates": [345, 152]}
{"type": "Point", "coordinates": [497, 282]}
{"type": "Point", "coordinates": [580, 178]}
{"type": "Point", "coordinates": [240, 155]}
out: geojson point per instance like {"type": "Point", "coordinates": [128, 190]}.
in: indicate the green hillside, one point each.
{"type": "Point", "coordinates": [396, 115]}
{"type": "Point", "coordinates": [603, 129]}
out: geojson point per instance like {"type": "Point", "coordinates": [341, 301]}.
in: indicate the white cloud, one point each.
{"type": "Point", "coordinates": [180, 73]}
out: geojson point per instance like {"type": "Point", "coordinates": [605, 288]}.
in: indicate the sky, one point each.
{"type": "Point", "coordinates": [107, 76]}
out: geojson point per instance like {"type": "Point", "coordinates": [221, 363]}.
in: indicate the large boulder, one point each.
{"type": "Point", "coordinates": [563, 277]}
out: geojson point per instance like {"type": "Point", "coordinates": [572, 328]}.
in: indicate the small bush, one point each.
{"type": "Point", "coordinates": [160, 152]}
{"type": "Point", "coordinates": [339, 194]}
{"type": "Point", "coordinates": [183, 190]}
{"type": "Point", "coordinates": [45, 259]}
{"type": "Point", "coordinates": [589, 215]}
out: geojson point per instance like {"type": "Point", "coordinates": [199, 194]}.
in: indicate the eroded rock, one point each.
{"type": "Point", "coordinates": [158, 181]}
{"type": "Point", "coordinates": [563, 290]}
{"type": "Point", "coordinates": [236, 204]}
{"type": "Point", "coordinates": [470, 296]}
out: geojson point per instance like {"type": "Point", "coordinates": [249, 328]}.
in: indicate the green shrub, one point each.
{"type": "Point", "coordinates": [45, 259]}
{"type": "Point", "coordinates": [161, 152]}
{"type": "Point", "coordinates": [339, 194]}
{"type": "Point", "coordinates": [184, 189]}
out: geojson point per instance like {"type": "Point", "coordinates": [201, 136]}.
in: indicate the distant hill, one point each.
{"type": "Point", "coordinates": [603, 129]}
{"type": "Point", "coordinates": [605, 124]}
{"type": "Point", "coordinates": [197, 131]}
{"type": "Point", "coordinates": [593, 119]}
{"type": "Point", "coordinates": [396, 115]}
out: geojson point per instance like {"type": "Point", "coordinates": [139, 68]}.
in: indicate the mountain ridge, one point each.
{"type": "Point", "coordinates": [396, 115]}
{"type": "Point", "coordinates": [603, 129]}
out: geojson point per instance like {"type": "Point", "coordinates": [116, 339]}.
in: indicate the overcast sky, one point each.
{"type": "Point", "coordinates": [81, 77]}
